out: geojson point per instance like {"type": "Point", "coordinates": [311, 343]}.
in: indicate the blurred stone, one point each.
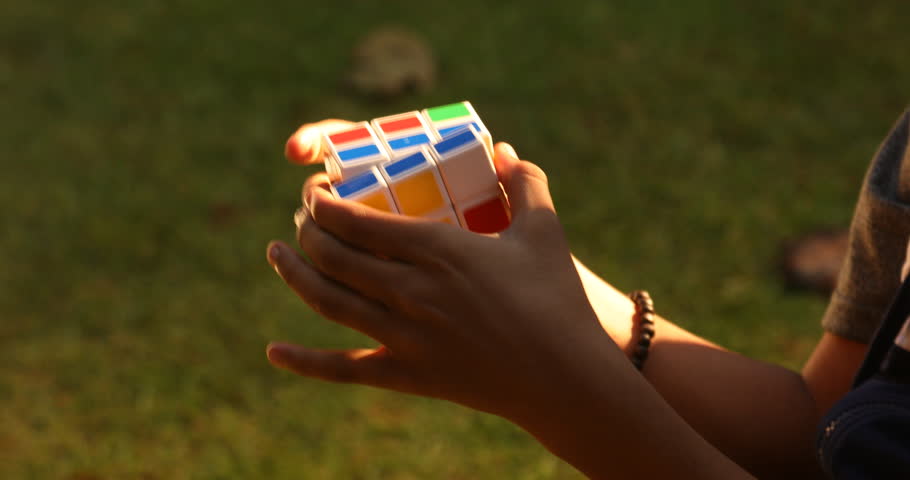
{"type": "Point", "coordinates": [391, 61]}
{"type": "Point", "coordinates": [813, 261]}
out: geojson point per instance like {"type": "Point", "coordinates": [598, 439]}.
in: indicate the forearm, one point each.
{"type": "Point", "coordinates": [762, 416]}
{"type": "Point", "coordinates": [610, 423]}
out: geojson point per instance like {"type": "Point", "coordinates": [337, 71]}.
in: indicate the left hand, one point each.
{"type": "Point", "coordinates": [496, 323]}
{"type": "Point", "coordinates": [306, 147]}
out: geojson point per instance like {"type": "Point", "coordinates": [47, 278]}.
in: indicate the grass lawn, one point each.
{"type": "Point", "coordinates": [142, 175]}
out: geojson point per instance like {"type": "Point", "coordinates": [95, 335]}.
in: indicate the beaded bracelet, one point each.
{"type": "Point", "coordinates": [644, 314]}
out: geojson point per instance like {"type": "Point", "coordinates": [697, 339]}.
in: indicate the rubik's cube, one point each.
{"type": "Point", "coordinates": [435, 164]}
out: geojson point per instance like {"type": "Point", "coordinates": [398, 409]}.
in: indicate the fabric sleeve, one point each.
{"type": "Point", "coordinates": [879, 232]}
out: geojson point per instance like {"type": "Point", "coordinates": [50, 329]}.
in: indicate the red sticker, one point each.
{"type": "Point", "coordinates": [349, 135]}
{"type": "Point", "coordinates": [402, 124]}
{"type": "Point", "coordinates": [490, 216]}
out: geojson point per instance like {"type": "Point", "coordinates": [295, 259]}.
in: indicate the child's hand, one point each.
{"type": "Point", "coordinates": [497, 323]}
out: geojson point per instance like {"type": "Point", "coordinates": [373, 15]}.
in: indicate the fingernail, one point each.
{"type": "Point", "coordinates": [311, 201]}
{"type": "Point", "coordinates": [309, 136]}
{"type": "Point", "coordinates": [300, 216]}
{"type": "Point", "coordinates": [307, 198]}
{"type": "Point", "coordinates": [297, 150]}
{"type": "Point", "coordinates": [510, 150]}
{"type": "Point", "coordinates": [312, 138]}
{"type": "Point", "coordinates": [274, 253]}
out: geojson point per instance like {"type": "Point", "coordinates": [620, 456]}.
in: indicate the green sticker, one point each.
{"type": "Point", "coordinates": [446, 112]}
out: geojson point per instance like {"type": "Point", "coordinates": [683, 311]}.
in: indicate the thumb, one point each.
{"type": "Point", "coordinates": [524, 182]}
{"type": "Point", "coordinates": [373, 366]}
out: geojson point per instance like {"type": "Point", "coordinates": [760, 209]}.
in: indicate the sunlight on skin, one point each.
{"type": "Point", "coordinates": [673, 369]}
{"type": "Point", "coordinates": [478, 363]}
{"type": "Point", "coordinates": [305, 146]}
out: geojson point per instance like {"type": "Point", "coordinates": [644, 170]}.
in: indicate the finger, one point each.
{"type": "Point", "coordinates": [305, 146]}
{"type": "Point", "coordinates": [524, 182]}
{"type": "Point", "coordinates": [400, 237]}
{"type": "Point", "coordinates": [331, 299]}
{"type": "Point", "coordinates": [504, 159]}
{"type": "Point", "coordinates": [375, 367]}
{"type": "Point", "coordinates": [363, 272]}
{"type": "Point", "coordinates": [319, 180]}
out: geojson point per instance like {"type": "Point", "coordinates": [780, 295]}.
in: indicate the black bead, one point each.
{"type": "Point", "coordinates": [641, 350]}
{"type": "Point", "coordinates": [644, 315]}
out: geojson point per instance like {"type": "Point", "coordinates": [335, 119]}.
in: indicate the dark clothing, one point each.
{"type": "Point", "coordinates": [867, 433]}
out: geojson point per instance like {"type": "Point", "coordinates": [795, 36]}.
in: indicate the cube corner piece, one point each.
{"type": "Point", "coordinates": [446, 119]}
{"type": "Point", "coordinates": [353, 151]}
{"type": "Point", "coordinates": [404, 133]}
{"type": "Point", "coordinates": [465, 165]}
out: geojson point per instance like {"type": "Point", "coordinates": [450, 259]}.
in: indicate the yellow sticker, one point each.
{"type": "Point", "coordinates": [419, 194]}
{"type": "Point", "coordinates": [378, 201]}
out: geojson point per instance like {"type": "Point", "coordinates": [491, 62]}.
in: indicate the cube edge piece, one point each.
{"type": "Point", "coordinates": [379, 185]}
{"type": "Point", "coordinates": [425, 125]}
{"type": "Point", "coordinates": [498, 195]}
{"type": "Point", "coordinates": [464, 183]}
{"type": "Point", "coordinates": [484, 132]}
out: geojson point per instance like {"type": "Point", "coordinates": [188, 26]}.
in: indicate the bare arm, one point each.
{"type": "Point", "coordinates": [499, 324]}
{"type": "Point", "coordinates": [549, 367]}
{"type": "Point", "coordinates": [622, 428]}
{"type": "Point", "coordinates": [763, 416]}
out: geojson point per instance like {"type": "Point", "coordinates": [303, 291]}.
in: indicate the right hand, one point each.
{"type": "Point", "coordinates": [614, 309]}
{"type": "Point", "coordinates": [497, 323]}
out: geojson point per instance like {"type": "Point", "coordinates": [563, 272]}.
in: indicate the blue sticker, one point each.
{"type": "Point", "coordinates": [446, 131]}
{"type": "Point", "coordinates": [405, 163]}
{"type": "Point", "coordinates": [359, 152]}
{"type": "Point", "coordinates": [356, 184]}
{"type": "Point", "coordinates": [456, 140]}
{"type": "Point", "coordinates": [406, 142]}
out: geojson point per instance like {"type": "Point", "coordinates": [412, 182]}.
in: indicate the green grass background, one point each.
{"type": "Point", "coordinates": [141, 175]}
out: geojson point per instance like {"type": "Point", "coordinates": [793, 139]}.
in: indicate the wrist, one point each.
{"type": "Point", "coordinates": [615, 311]}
